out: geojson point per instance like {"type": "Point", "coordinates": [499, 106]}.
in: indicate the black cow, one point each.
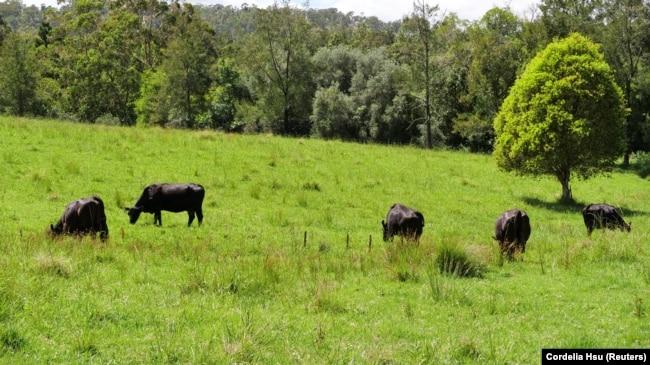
{"type": "Point", "coordinates": [512, 231]}
{"type": "Point", "coordinates": [170, 197]}
{"type": "Point", "coordinates": [603, 216]}
{"type": "Point", "coordinates": [83, 216]}
{"type": "Point", "coordinates": [403, 221]}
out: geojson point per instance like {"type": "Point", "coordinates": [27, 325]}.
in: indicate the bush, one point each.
{"type": "Point", "coordinates": [642, 165]}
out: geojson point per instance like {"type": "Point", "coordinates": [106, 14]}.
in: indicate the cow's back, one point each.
{"type": "Point", "coordinates": [180, 197]}
{"type": "Point", "coordinates": [504, 227]}
{"type": "Point", "coordinates": [602, 216]}
{"type": "Point", "coordinates": [512, 230]}
{"type": "Point", "coordinates": [404, 221]}
{"type": "Point", "coordinates": [512, 226]}
{"type": "Point", "coordinates": [85, 215]}
{"type": "Point", "coordinates": [71, 219]}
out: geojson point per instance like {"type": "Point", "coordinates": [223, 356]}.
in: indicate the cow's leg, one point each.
{"type": "Point", "coordinates": [511, 250]}
{"type": "Point", "coordinates": [157, 217]}
{"type": "Point", "coordinates": [199, 215]}
{"type": "Point", "coordinates": [190, 214]}
{"type": "Point", "coordinates": [103, 231]}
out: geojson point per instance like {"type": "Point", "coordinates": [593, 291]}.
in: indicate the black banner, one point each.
{"type": "Point", "coordinates": [595, 356]}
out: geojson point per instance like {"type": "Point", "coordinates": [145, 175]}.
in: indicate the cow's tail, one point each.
{"type": "Point", "coordinates": [103, 233]}
{"type": "Point", "coordinates": [421, 217]}
{"type": "Point", "coordinates": [99, 200]}
{"type": "Point", "coordinates": [523, 229]}
{"type": "Point", "coordinates": [201, 192]}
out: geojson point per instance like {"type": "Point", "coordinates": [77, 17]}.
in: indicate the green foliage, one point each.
{"type": "Point", "coordinates": [19, 75]}
{"type": "Point", "coordinates": [417, 45]}
{"type": "Point", "coordinates": [563, 117]}
{"type": "Point", "coordinates": [641, 164]}
{"type": "Point", "coordinates": [225, 98]}
{"type": "Point", "coordinates": [277, 55]}
{"type": "Point", "coordinates": [357, 97]}
{"type": "Point", "coordinates": [333, 115]}
{"type": "Point", "coordinates": [496, 59]}
{"type": "Point", "coordinates": [188, 66]}
{"type": "Point", "coordinates": [152, 107]}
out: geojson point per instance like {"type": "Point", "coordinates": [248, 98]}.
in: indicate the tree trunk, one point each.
{"type": "Point", "coordinates": [567, 196]}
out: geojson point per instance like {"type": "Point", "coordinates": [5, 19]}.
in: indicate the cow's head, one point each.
{"type": "Point", "coordinates": [55, 230]}
{"type": "Point", "coordinates": [134, 213]}
{"type": "Point", "coordinates": [384, 228]}
{"type": "Point", "coordinates": [628, 226]}
{"type": "Point", "coordinates": [521, 247]}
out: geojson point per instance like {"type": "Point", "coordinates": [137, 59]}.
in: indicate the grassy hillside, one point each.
{"type": "Point", "coordinates": [247, 287]}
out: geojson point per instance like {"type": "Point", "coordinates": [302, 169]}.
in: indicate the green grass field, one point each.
{"type": "Point", "coordinates": [247, 287]}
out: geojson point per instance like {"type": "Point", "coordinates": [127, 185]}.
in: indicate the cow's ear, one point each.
{"type": "Point", "coordinates": [51, 227]}
{"type": "Point", "coordinates": [383, 224]}
{"type": "Point", "coordinates": [127, 208]}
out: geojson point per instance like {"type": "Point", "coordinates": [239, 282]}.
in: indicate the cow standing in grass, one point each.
{"type": "Point", "coordinates": [512, 230]}
{"type": "Point", "coordinates": [83, 216]}
{"type": "Point", "coordinates": [603, 216]}
{"type": "Point", "coordinates": [403, 221]}
{"type": "Point", "coordinates": [172, 198]}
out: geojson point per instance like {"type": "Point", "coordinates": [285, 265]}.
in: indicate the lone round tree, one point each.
{"type": "Point", "coordinates": [564, 116]}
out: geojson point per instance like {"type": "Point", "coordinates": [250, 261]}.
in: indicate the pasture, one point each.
{"type": "Point", "coordinates": [282, 270]}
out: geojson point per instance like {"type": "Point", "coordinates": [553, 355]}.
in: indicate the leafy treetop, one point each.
{"type": "Point", "coordinates": [564, 116]}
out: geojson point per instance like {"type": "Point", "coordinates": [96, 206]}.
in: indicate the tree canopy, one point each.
{"type": "Point", "coordinates": [564, 116]}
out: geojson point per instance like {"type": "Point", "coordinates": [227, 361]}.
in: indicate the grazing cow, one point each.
{"type": "Point", "coordinates": [83, 216]}
{"type": "Point", "coordinates": [403, 221]}
{"type": "Point", "coordinates": [603, 216]}
{"type": "Point", "coordinates": [170, 197]}
{"type": "Point", "coordinates": [512, 231]}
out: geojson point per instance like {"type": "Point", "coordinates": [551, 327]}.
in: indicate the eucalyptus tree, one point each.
{"type": "Point", "coordinates": [188, 65]}
{"type": "Point", "coordinates": [5, 29]}
{"type": "Point", "coordinates": [416, 44]}
{"type": "Point", "coordinates": [153, 30]}
{"type": "Point", "coordinates": [19, 75]}
{"type": "Point", "coordinates": [118, 68]}
{"type": "Point", "coordinates": [497, 53]}
{"type": "Point", "coordinates": [225, 98]}
{"type": "Point", "coordinates": [626, 44]}
{"type": "Point", "coordinates": [277, 55]}
{"type": "Point", "coordinates": [450, 83]}
{"type": "Point", "coordinates": [74, 59]}
{"type": "Point", "coordinates": [562, 17]}
{"type": "Point", "coordinates": [564, 117]}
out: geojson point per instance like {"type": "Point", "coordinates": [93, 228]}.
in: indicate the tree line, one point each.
{"type": "Point", "coordinates": [431, 78]}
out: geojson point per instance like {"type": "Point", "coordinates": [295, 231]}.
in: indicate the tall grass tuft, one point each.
{"type": "Point", "coordinates": [454, 260]}
{"type": "Point", "coordinates": [11, 340]}
{"type": "Point", "coordinates": [440, 286]}
{"type": "Point", "coordinates": [56, 266]}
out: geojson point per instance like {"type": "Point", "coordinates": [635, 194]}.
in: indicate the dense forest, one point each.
{"type": "Point", "coordinates": [430, 79]}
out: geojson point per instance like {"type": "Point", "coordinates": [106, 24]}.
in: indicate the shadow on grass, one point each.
{"type": "Point", "coordinates": [556, 206]}
{"type": "Point", "coordinates": [576, 207]}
